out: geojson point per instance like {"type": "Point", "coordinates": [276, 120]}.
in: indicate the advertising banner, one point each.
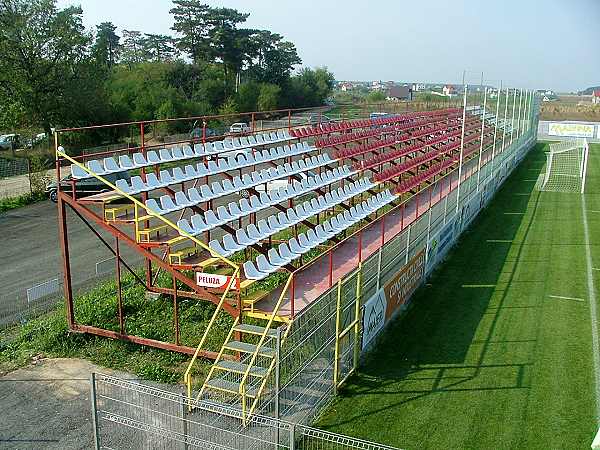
{"type": "Point", "coordinates": [373, 317]}
{"type": "Point", "coordinates": [212, 280]}
{"type": "Point", "coordinates": [580, 130]}
{"type": "Point", "coordinates": [399, 289]}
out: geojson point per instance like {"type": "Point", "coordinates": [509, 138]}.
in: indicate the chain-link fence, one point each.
{"type": "Point", "coordinates": [130, 415]}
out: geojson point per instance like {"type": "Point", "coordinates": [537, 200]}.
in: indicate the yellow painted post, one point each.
{"type": "Point", "coordinates": [357, 317]}
{"type": "Point", "coordinates": [137, 224]}
{"type": "Point", "coordinates": [338, 315]}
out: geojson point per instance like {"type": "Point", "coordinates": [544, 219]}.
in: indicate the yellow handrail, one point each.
{"type": "Point", "coordinates": [186, 376]}
{"type": "Point", "coordinates": [149, 211]}
{"type": "Point", "coordinates": [218, 358]}
{"type": "Point", "coordinates": [242, 388]}
{"type": "Point", "coordinates": [264, 382]}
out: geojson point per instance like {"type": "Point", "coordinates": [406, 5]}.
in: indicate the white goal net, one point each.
{"type": "Point", "coordinates": [566, 164]}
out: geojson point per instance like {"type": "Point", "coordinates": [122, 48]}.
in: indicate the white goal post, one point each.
{"type": "Point", "coordinates": [566, 166]}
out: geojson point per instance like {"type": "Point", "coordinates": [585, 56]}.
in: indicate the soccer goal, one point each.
{"type": "Point", "coordinates": [566, 165]}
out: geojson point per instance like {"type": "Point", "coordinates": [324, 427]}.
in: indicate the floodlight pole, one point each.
{"type": "Point", "coordinates": [504, 121]}
{"type": "Point", "coordinates": [482, 128]}
{"type": "Point", "coordinates": [462, 146]}
{"type": "Point", "coordinates": [512, 120]}
{"type": "Point", "coordinates": [495, 130]}
{"type": "Point", "coordinates": [525, 112]}
{"type": "Point", "coordinates": [519, 116]}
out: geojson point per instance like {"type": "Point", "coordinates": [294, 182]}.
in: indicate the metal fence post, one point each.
{"type": "Point", "coordinates": [292, 436]}
{"type": "Point", "coordinates": [408, 243]}
{"type": "Point", "coordinates": [277, 375]}
{"type": "Point", "coordinates": [338, 325]}
{"type": "Point", "coordinates": [428, 236]}
{"type": "Point", "coordinates": [184, 423]}
{"type": "Point", "coordinates": [94, 411]}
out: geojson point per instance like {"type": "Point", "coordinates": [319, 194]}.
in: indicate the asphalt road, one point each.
{"type": "Point", "coordinates": [30, 252]}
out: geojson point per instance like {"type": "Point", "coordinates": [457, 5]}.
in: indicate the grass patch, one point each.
{"type": "Point", "coordinates": [6, 204]}
{"type": "Point", "coordinates": [485, 358]}
{"type": "Point", "coordinates": [49, 334]}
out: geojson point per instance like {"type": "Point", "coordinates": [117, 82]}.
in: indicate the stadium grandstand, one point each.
{"type": "Point", "coordinates": [265, 223]}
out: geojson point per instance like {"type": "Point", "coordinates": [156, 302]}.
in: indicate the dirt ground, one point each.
{"type": "Point", "coordinates": [47, 405]}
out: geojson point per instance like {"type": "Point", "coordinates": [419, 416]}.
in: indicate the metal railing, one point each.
{"type": "Point", "coordinates": [187, 377]}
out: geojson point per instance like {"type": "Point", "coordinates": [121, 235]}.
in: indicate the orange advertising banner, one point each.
{"type": "Point", "coordinates": [399, 289]}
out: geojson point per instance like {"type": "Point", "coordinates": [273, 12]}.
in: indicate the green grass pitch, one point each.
{"type": "Point", "coordinates": [486, 358]}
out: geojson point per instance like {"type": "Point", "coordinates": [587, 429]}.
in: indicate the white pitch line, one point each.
{"type": "Point", "coordinates": [567, 298]}
{"type": "Point", "coordinates": [593, 313]}
{"type": "Point", "coordinates": [591, 210]}
{"type": "Point", "coordinates": [507, 241]}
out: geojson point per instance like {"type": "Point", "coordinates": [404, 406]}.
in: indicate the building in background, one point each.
{"type": "Point", "coordinates": [397, 93]}
{"type": "Point", "coordinates": [596, 97]}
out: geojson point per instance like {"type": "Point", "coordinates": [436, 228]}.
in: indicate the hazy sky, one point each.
{"type": "Point", "coordinates": [551, 44]}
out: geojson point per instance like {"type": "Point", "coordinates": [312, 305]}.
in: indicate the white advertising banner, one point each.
{"type": "Point", "coordinates": [598, 131]}
{"type": "Point", "coordinates": [580, 130]}
{"type": "Point", "coordinates": [212, 280]}
{"type": "Point", "coordinates": [374, 317]}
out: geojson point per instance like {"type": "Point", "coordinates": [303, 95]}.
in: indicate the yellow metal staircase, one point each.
{"type": "Point", "coordinates": [240, 375]}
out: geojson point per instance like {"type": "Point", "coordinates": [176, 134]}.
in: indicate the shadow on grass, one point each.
{"type": "Point", "coordinates": [431, 343]}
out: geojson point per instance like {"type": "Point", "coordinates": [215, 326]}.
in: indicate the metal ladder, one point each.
{"type": "Point", "coordinates": [241, 371]}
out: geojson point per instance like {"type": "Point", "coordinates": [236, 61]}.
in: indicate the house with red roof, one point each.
{"type": "Point", "coordinates": [596, 97]}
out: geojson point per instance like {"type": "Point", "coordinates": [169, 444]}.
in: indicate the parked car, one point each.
{"type": "Point", "coordinates": [86, 186]}
{"type": "Point", "coordinates": [240, 128]}
{"type": "Point", "coordinates": [35, 140]}
{"type": "Point", "coordinates": [10, 141]}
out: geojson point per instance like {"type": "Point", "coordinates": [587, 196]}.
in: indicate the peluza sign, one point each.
{"type": "Point", "coordinates": [214, 281]}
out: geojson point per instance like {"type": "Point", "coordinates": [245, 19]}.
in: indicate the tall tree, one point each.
{"type": "Point", "coordinates": [106, 46]}
{"type": "Point", "coordinates": [226, 40]}
{"type": "Point", "coordinates": [159, 47]}
{"type": "Point", "coordinates": [42, 49]}
{"type": "Point", "coordinates": [272, 58]}
{"type": "Point", "coordinates": [132, 49]}
{"type": "Point", "coordinates": [190, 18]}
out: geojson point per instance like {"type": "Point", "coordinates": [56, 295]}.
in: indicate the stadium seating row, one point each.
{"type": "Point", "coordinates": [434, 170]}
{"type": "Point", "coordinates": [199, 223]}
{"type": "Point", "coordinates": [442, 135]}
{"type": "Point", "coordinates": [138, 160]}
{"type": "Point", "coordinates": [285, 253]}
{"type": "Point", "coordinates": [431, 172]}
{"type": "Point", "coordinates": [351, 137]}
{"type": "Point", "coordinates": [265, 228]}
{"type": "Point", "coordinates": [363, 148]}
{"type": "Point", "coordinates": [189, 173]}
{"type": "Point", "coordinates": [375, 160]}
{"type": "Point", "coordinates": [219, 189]}
{"type": "Point", "coordinates": [409, 164]}
{"type": "Point", "coordinates": [364, 123]}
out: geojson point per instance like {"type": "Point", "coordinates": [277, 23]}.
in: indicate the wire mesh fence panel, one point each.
{"type": "Point", "coordinates": [130, 415]}
{"type": "Point", "coordinates": [13, 167]}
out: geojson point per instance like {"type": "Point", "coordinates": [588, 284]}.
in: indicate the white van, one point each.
{"type": "Point", "coordinates": [239, 127]}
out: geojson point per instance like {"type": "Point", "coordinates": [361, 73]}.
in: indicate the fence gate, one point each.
{"type": "Point", "coordinates": [347, 327]}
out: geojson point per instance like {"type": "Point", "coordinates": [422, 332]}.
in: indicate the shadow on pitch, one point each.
{"type": "Point", "coordinates": [426, 350]}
